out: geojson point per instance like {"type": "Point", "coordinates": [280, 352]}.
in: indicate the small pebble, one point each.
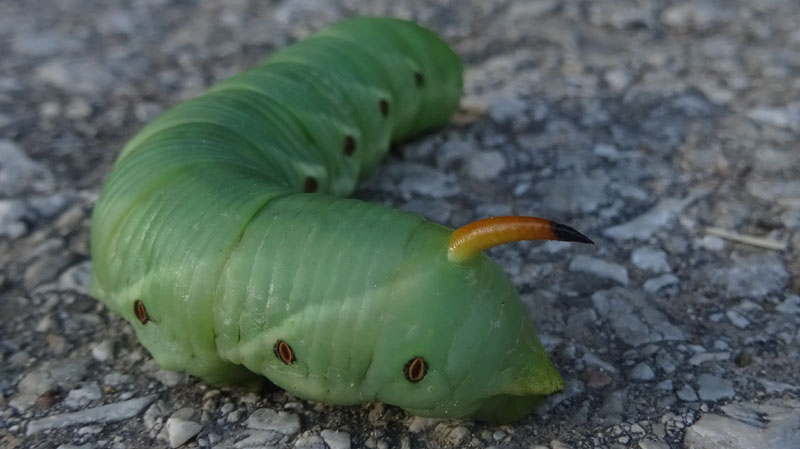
{"type": "Point", "coordinates": [335, 439]}
{"type": "Point", "coordinates": [642, 372]}
{"type": "Point", "coordinates": [713, 388]}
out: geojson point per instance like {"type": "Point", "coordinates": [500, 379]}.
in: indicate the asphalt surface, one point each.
{"type": "Point", "coordinates": [668, 132]}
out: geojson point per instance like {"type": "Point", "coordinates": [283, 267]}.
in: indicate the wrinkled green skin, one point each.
{"type": "Point", "coordinates": [203, 220]}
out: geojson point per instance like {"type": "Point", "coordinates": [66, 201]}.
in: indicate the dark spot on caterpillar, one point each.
{"type": "Point", "coordinates": [384, 105]}
{"type": "Point", "coordinates": [284, 352]}
{"type": "Point", "coordinates": [349, 145]}
{"type": "Point", "coordinates": [140, 311]}
{"type": "Point", "coordinates": [415, 369]}
{"type": "Point", "coordinates": [419, 80]}
{"type": "Point", "coordinates": [311, 185]}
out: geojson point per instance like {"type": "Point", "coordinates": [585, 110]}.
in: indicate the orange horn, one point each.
{"type": "Point", "coordinates": [469, 240]}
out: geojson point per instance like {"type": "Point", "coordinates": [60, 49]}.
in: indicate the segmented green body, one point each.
{"type": "Point", "coordinates": [204, 239]}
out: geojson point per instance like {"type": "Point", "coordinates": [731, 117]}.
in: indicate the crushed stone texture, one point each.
{"type": "Point", "coordinates": [642, 124]}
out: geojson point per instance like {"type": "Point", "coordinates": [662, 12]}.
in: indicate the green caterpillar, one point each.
{"type": "Point", "coordinates": [222, 236]}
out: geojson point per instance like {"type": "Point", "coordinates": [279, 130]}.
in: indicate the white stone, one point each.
{"type": "Point", "coordinates": [655, 284]}
{"type": "Point", "coordinates": [81, 397]}
{"type": "Point", "coordinates": [309, 442]}
{"type": "Point", "coordinates": [642, 372]}
{"type": "Point", "coordinates": [774, 424]}
{"type": "Point", "coordinates": [486, 165]}
{"type": "Point", "coordinates": [646, 225]}
{"type": "Point", "coordinates": [105, 413]}
{"type": "Point", "coordinates": [179, 431]}
{"type": "Point", "coordinates": [737, 319]}
{"type": "Point", "coordinates": [335, 439]}
{"type": "Point", "coordinates": [599, 268]}
{"type": "Point", "coordinates": [687, 394]}
{"type": "Point", "coordinates": [713, 388]}
{"type": "Point", "coordinates": [650, 259]}
{"type": "Point", "coordinates": [267, 419]}
{"type": "Point", "coordinates": [18, 172]}
{"type": "Point", "coordinates": [103, 351]}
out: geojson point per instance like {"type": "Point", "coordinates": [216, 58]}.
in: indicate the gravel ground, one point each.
{"type": "Point", "coordinates": [663, 130]}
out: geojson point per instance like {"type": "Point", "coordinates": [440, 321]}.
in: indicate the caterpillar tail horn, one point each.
{"type": "Point", "coordinates": [470, 240]}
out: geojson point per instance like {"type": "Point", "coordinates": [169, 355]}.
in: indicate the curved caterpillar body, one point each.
{"type": "Point", "coordinates": [209, 240]}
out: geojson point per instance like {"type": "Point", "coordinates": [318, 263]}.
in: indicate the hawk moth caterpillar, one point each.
{"type": "Point", "coordinates": [223, 236]}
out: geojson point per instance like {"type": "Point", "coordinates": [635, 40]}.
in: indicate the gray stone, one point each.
{"type": "Point", "coordinates": [713, 388]}
{"type": "Point", "coordinates": [634, 320]}
{"type": "Point", "coordinates": [584, 194]}
{"type": "Point", "coordinates": [82, 396]}
{"type": "Point", "coordinates": [782, 117]}
{"type": "Point", "coordinates": [642, 372]}
{"type": "Point", "coordinates": [336, 439]}
{"type": "Point", "coordinates": [63, 374]}
{"type": "Point", "coordinates": [153, 417]}
{"type": "Point", "coordinates": [106, 413]}
{"type": "Point", "coordinates": [593, 360]}
{"type": "Point", "coordinates": [103, 351]}
{"type": "Point", "coordinates": [687, 394]}
{"type": "Point", "coordinates": [646, 225]}
{"type": "Point", "coordinates": [737, 319]}
{"type": "Point", "coordinates": [166, 377]}
{"type": "Point", "coordinates": [621, 16]}
{"type": "Point", "coordinates": [418, 424]}
{"type": "Point", "coordinates": [116, 379]}
{"type": "Point", "coordinates": [696, 15]}
{"type": "Point", "coordinates": [614, 405]}
{"type": "Point", "coordinates": [182, 426]}
{"type": "Point", "coordinates": [532, 9]}
{"type": "Point", "coordinates": [790, 306]}
{"type": "Point", "coordinates": [753, 276]}
{"type": "Point", "coordinates": [556, 444]}
{"type": "Point", "coordinates": [259, 439]}
{"type": "Point", "coordinates": [13, 214]}
{"type": "Point", "coordinates": [19, 173]}
{"type": "Point", "coordinates": [650, 259]}
{"type": "Point", "coordinates": [486, 165]}
{"type": "Point", "coordinates": [703, 357]}
{"type": "Point", "coordinates": [78, 109]}
{"type": "Point", "coordinates": [773, 188]}
{"type": "Point", "coordinates": [506, 107]}
{"type": "Point", "coordinates": [711, 243]}
{"type": "Point", "coordinates": [454, 151]}
{"type": "Point", "coordinates": [50, 205]}
{"type": "Point", "coordinates": [655, 284]}
{"type": "Point", "coordinates": [44, 269]}
{"type": "Point", "coordinates": [309, 442]}
{"type": "Point", "coordinates": [653, 444]}
{"type": "Point", "coordinates": [599, 268]}
{"type": "Point", "coordinates": [773, 424]}
{"type": "Point", "coordinates": [45, 43]}
{"type": "Point", "coordinates": [607, 151]}
{"type": "Point", "coordinates": [277, 421]}
{"type": "Point", "coordinates": [777, 387]}
{"type": "Point", "coordinates": [420, 179]}
{"type": "Point", "coordinates": [76, 75]}
{"type": "Point", "coordinates": [76, 278]}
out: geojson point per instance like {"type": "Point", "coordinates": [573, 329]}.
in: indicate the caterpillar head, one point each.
{"type": "Point", "coordinates": [459, 341]}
